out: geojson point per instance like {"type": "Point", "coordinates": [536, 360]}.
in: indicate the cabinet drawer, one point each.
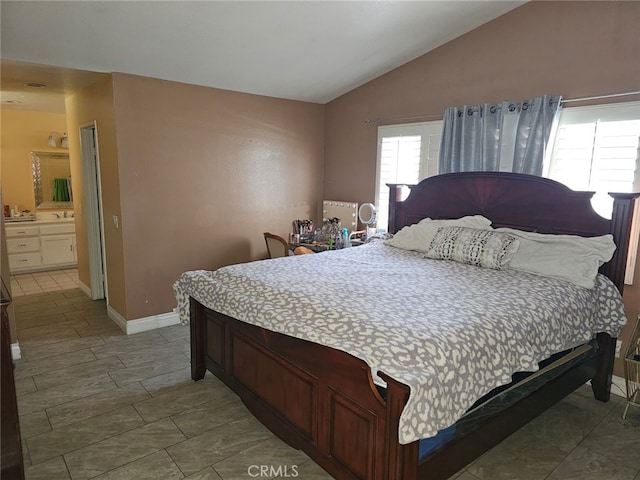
{"type": "Point", "coordinates": [21, 231]}
{"type": "Point", "coordinates": [57, 229]}
{"type": "Point", "coordinates": [27, 244]}
{"type": "Point", "coordinates": [24, 260]}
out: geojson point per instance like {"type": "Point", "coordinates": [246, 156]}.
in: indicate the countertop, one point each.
{"type": "Point", "coordinates": [39, 222]}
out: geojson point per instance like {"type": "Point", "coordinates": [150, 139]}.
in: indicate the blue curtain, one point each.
{"type": "Point", "coordinates": [505, 136]}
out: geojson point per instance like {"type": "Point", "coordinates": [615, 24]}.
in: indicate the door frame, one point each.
{"type": "Point", "coordinates": [93, 210]}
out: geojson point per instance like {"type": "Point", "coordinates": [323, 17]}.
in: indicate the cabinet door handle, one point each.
{"type": "Point", "coordinates": [22, 244]}
{"type": "Point", "coordinates": [22, 232]}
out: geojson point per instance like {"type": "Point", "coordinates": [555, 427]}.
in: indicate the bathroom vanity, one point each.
{"type": "Point", "coordinates": [41, 245]}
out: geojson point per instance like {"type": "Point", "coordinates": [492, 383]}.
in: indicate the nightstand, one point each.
{"type": "Point", "coordinates": [632, 369]}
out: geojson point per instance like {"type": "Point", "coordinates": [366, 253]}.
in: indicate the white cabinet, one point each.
{"type": "Point", "coordinates": [45, 246]}
{"type": "Point", "coordinates": [23, 246]}
{"type": "Point", "coordinates": [56, 249]}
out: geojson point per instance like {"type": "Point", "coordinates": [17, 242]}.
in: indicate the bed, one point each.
{"type": "Point", "coordinates": [351, 417]}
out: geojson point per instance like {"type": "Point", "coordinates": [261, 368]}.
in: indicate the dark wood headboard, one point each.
{"type": "Point", "coordinates": [524, 202]}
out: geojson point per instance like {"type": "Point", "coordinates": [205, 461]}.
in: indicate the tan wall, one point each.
{"type": "Point", "coordinates": [22, 133]}
{"type": "Point", "coordinates": [632, 309]}
{"type": "Point", "coordinates": [203, 173]}
{"type": "Point", "coordinates": [88, 105]}
{"type": "Point", "coordinates": [573, 49]}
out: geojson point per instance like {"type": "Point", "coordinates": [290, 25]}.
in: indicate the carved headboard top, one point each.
{"type": "Point", "coordinates": [524, 202]}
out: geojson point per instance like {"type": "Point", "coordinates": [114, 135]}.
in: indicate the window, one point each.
{"type": "Point", "coordinates": [596, 149]}
{"type": "Point", "coordinates": [406, 154]}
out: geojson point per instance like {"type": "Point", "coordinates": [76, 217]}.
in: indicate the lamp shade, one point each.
{"type": "Point", "coordinates": [57, 140]}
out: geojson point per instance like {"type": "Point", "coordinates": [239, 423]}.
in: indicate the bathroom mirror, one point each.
{"type": "Point", "coordinates": [52, 180]}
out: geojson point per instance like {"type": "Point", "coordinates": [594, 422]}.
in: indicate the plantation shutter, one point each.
{"type": "Point", "coordinates": [406, 154]}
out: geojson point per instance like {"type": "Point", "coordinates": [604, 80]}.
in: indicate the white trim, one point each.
{"type": "Point", "coordinates": [622, 387]}
{"type": "Point", "coordinates": [430, 134]}
{"type": "Point", "coordinates": [93, 210]}
{"type": "Point", "coordinates": [42, 268]}
{"type": "Point", "coordinates": [15, 351]}
{"type": "Point", "coordinates": [117, 318]}
{"type": "Point", "coordinates": [84, 288]}
{"type": "Point", "coordinates": [606, 112]}
{"type": "Point", "coordinates": [143, 324]}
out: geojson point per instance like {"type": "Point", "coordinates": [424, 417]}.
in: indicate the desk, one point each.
{"type": "Point", "coordinates": [319, 246]}
{"type": "Point", "coordinates": [316, 247]}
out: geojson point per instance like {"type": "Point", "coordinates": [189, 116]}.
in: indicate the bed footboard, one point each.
{"type": "Point", "coordinates": [315, 398]}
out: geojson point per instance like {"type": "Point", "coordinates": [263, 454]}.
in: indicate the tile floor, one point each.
{"type": "Point", "coordinates": [41, 282]}
{"type": "Point", "coordinates": [95, 403]}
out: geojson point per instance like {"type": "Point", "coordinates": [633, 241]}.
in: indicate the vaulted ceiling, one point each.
{"type": "Point", "coordinates": [304, 50]}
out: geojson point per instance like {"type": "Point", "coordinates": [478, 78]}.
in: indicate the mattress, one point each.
{"type": "Point", "coordinates": [452, 332]}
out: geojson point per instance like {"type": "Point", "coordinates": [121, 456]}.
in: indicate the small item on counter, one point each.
{"type": "Point", "coordinates": [7, 211]}
{"type": "Point", "coordinates": [345, 238]}
{"type": "Point", "coordinates": [304, 228]}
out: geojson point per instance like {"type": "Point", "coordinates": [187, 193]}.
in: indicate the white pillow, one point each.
{"type": "Point", "coordinates": [474, 246]}
{"type": "Point", "coordinates": [566, 257]}
{"type": "Point", "coordinates": [419, 236]}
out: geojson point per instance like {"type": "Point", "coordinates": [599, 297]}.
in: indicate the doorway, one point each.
{"type": "Point", "coordinates": [93, 211]}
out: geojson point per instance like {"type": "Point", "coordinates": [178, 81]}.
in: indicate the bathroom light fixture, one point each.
{"type": "Point", "coordinates": [55, 138]}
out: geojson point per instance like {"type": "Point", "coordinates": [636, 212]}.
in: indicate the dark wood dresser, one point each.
{"type": "Point", "coordinates": [11, 464]}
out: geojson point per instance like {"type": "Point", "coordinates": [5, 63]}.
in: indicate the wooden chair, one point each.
{"type": "Point", "coordinates": [276, 246]}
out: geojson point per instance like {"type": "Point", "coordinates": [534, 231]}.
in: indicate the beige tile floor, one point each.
{"type": "Point", "coordinates": [41, 282]}
{"type": "Point", "coordinates": [95, 403]}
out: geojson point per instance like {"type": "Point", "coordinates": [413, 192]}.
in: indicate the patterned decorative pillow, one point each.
{"type": "Point", "coordinates": [482, 248]}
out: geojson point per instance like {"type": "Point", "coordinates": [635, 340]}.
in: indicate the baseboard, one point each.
{"type": "Point", "coordinates": [117, 318]}
{"type": "Point", "coordinates": [618, 387]}
{"type": "Point", "coordinates": [15, 351]}
{"type": "Point", "coordinates": [143, 324]}
{"type": "Point", "coordinates": [84, 289]}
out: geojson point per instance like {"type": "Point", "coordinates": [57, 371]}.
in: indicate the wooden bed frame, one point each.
{"type": "Point", "coordinates": [324, 401]}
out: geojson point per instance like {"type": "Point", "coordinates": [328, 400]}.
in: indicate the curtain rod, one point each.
{"type": "Point", "coordinates": [439, 115]}
{"type": "Point", "coordinates": [599, 97]}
